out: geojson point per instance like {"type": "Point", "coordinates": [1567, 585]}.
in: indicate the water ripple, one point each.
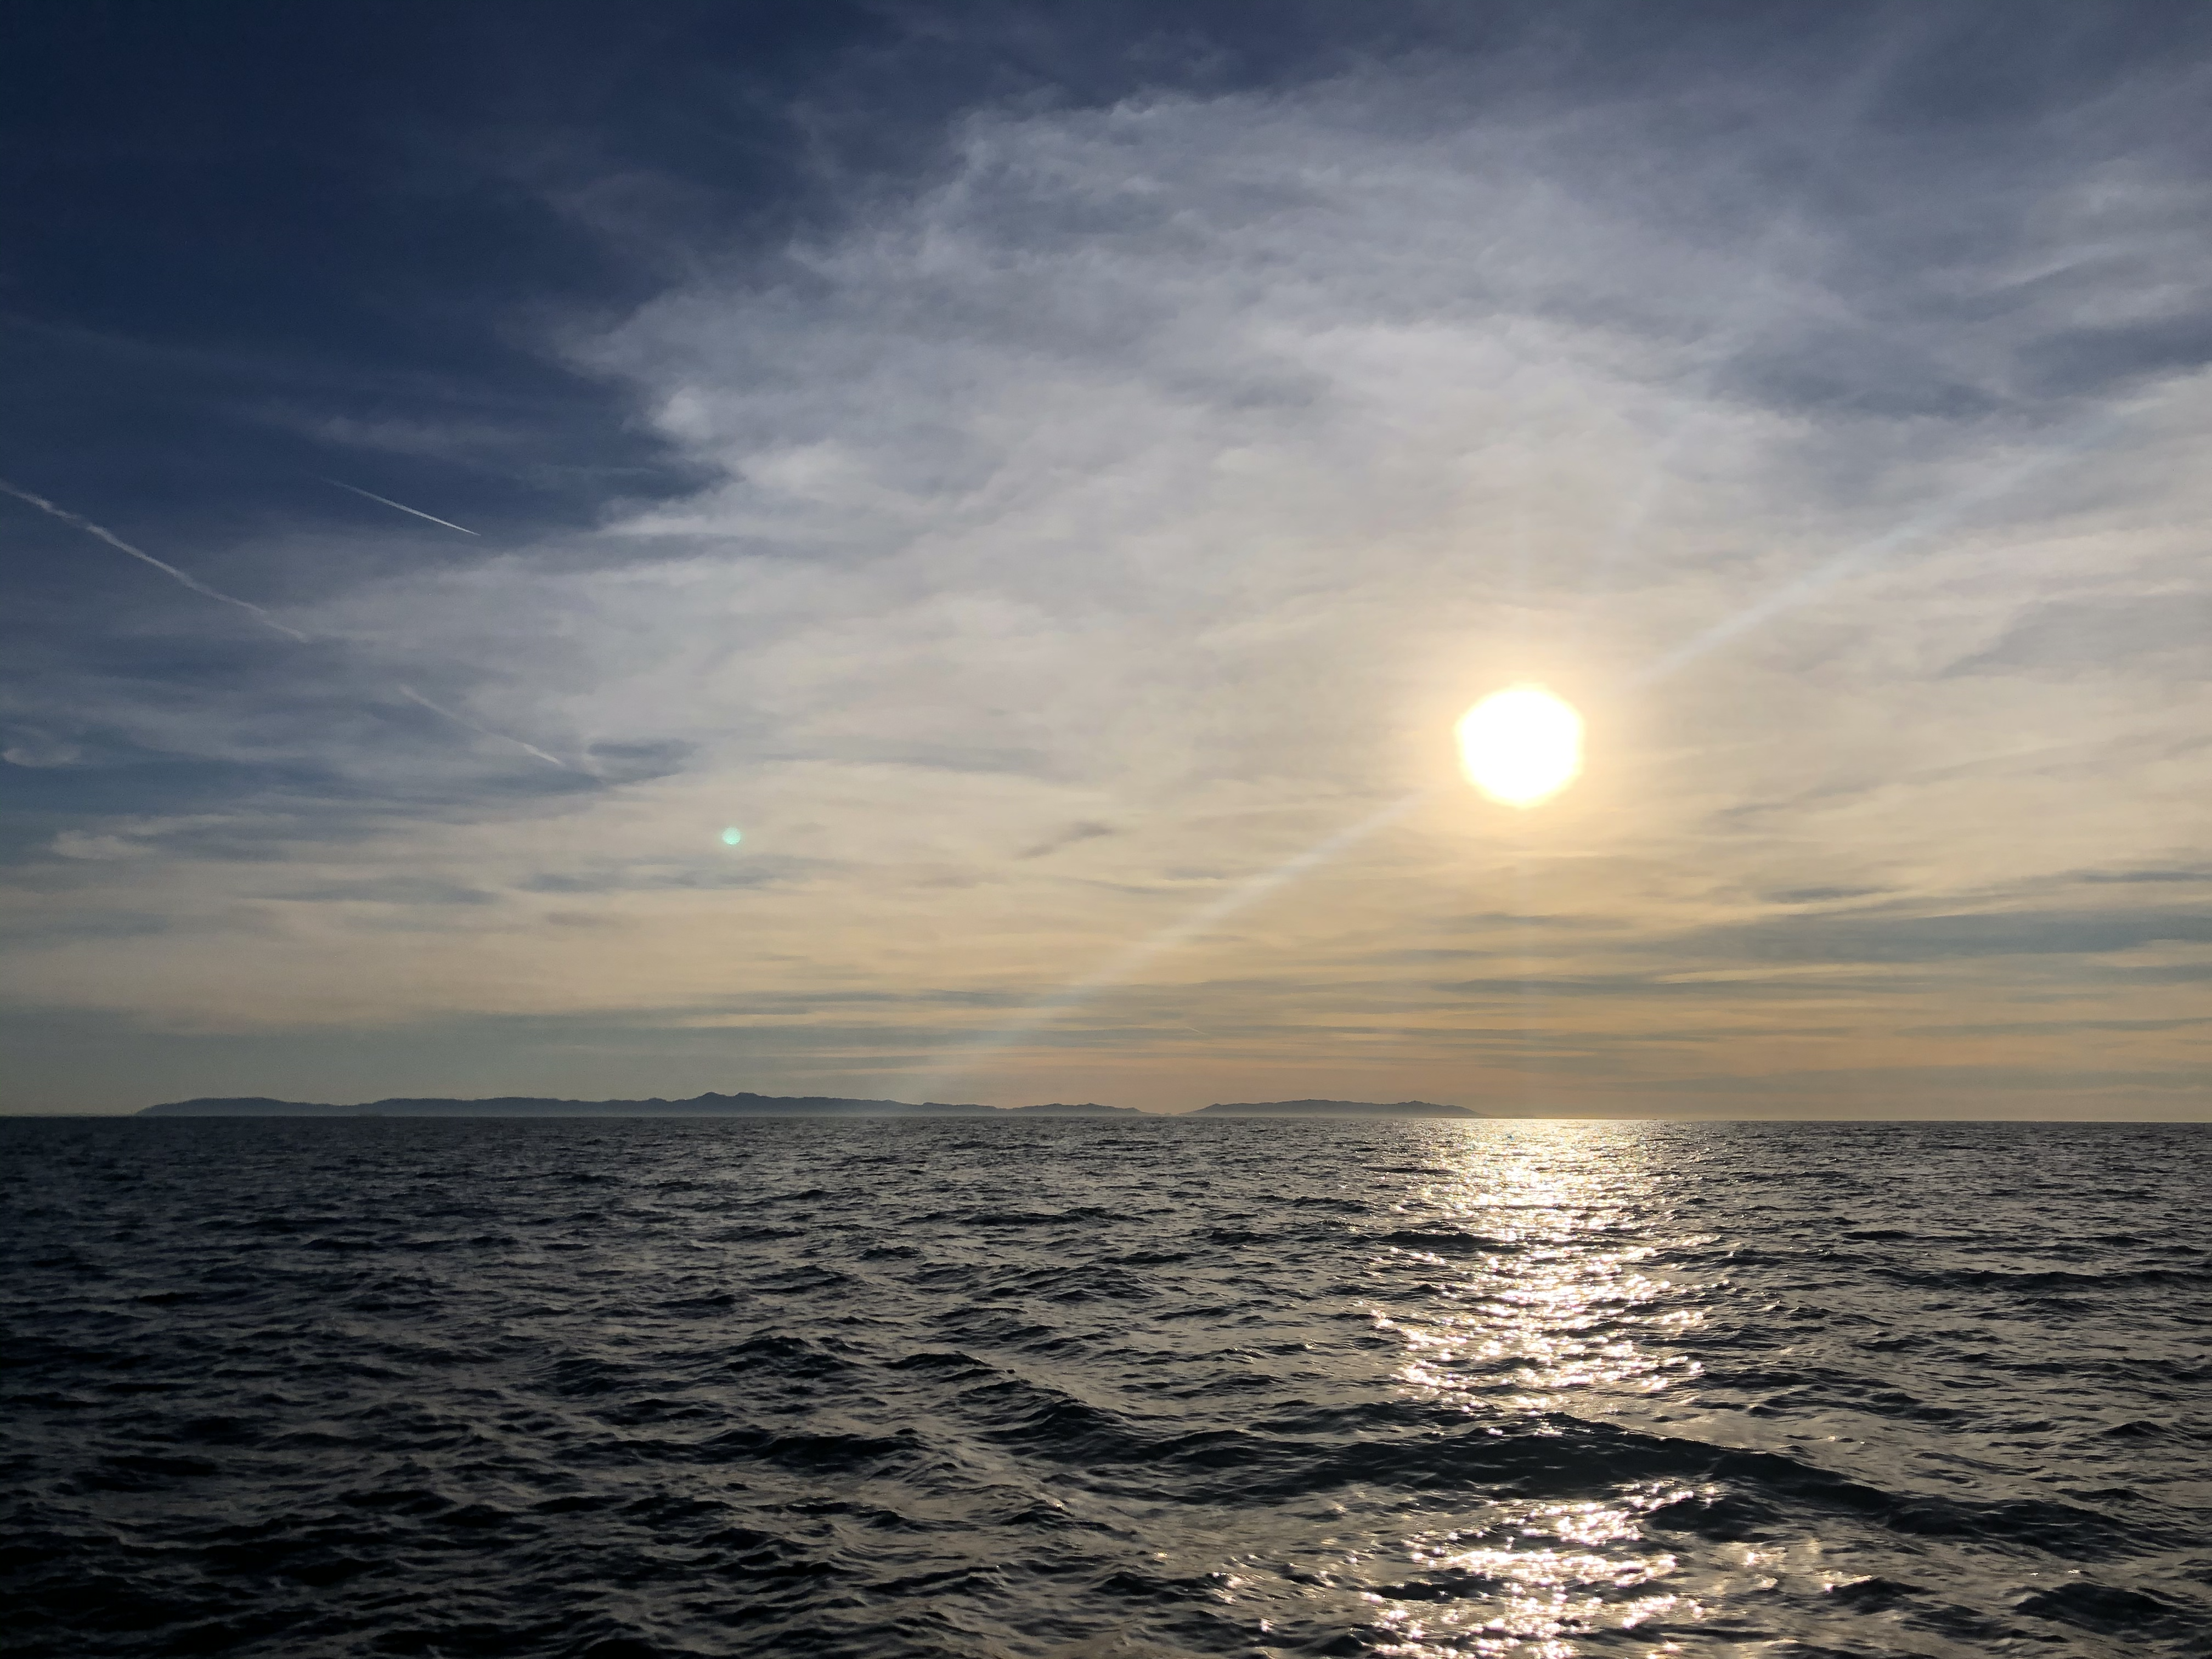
{"type": "Point", "coordinates": [648, 1388]}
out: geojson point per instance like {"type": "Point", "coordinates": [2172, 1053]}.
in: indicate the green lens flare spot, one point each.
{"type": "Point", "coordinates": [731, 837]}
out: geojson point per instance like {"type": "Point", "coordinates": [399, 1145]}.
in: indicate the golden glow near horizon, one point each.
{"type": "Point", "coordinates": [1521, 746]}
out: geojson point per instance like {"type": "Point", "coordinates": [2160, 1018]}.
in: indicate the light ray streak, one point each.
{"type": "Point", "coordinates": [79, 522]}
{"type": "Point", "coordinates": [1641, 501]}
{"type": "Point", "coordinates": [1852, 559]}
{"type": "Point", "coordinates": [415, 697]}
{"type": "Point", "coordinates": [1765, 298]}
{"type": "Point", "coordinates": [965, 1058]}
{"type": "Point", "coordinates": [402, 506]}
{"type": "Point", "coordinates": [1822, 577]}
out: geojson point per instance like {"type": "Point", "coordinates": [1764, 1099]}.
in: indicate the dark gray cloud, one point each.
{"type": "Point", "coordinates": [1908, 938]}
{"type": "Point", "coordinates": [1994, 1090]}
{"type": "Point", "coordinates": [2154, 878]}
{"type": "Point", "coordinates": [1074, 836]}
{"type": "Point", "coordinates": [2063, 637]}
{"type": "Point", "coordinates": [389, 889]}
{"type": "Point", "coordinates": [1657, 986]}
{"type": "Point", "coordinates": [734, 873]}
{"type": "Point", "coordinates": [2056, 1027]}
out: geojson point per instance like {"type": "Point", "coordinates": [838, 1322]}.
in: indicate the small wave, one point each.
{"type": "Point", "coordinates": [815, 1389]}
{"type": "Point", "coordinates": [1981, 1278]}
{"type": "Point", "coordinates": [814, 1452]}
{"type": "Point", "coordinates": [1039, 1218]}
{"type": "Point", "coordinates": [1446, 1242]}
{"type": "Point", "coordinates": [2110, 1610]}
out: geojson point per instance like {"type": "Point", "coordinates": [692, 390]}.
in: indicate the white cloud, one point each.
{"type": "Point", "coordinates": [79, 844]}
{"type": "Point", "coordinates": [36, 749]}
{"type": "Point", "coordinates": [1189, 467]}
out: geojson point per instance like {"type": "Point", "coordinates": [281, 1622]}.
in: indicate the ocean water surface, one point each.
{"type": "Point", "coordinates": [625, 1388]}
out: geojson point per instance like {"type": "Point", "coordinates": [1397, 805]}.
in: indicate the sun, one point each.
{"type": "Point", "coordinates": [1521, 746]}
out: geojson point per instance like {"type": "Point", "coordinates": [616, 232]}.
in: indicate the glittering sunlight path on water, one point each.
{"type": "Point", "coordinates": [619, 1389]}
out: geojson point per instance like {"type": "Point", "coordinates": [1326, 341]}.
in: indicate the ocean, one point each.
{"type": "Point", "coordinates": [626, 1389]}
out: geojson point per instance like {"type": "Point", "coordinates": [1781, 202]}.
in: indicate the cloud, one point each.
{"type": "Point", "coordinates": [2182, 878]}
{"type": "Point", "coordinates": [1943, 938]}
{"type": "Point", "coordinates": [259, 613]}
{"type": "Point", "coordinates": [1164, 478]}
{"type": "Point", "coordinates": [133, 838]}
{"type": "Point", "coordinates": [2064, 638]}
{"type": "Point", "coordinates": [80, 844]}
{"type": "Point", "coordinates": [1074, 836]}
{"type": "Point", "coordinates": [390, 889]}
{"type": "Point", "coordinates": [36, 749]}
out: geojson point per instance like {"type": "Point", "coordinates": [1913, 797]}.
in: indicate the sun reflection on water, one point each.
{"type": "Point", "coordinates": [1525, 1283]}
{"type": "Point", "coordinates": [1544, 1301]}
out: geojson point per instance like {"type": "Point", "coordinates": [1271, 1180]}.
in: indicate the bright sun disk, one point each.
{"type": "Point", "coordinates": [1522, 745]}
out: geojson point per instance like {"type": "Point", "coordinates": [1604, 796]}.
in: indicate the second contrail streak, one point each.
{"type": "Point", "coordinates": [403, 507]}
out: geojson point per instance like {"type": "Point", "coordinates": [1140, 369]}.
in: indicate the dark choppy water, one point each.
{"type": "Point", "coordinates": [623, 1389]}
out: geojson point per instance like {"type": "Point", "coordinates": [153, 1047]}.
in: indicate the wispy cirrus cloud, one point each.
{"type": "Point", "coordinates": [1119, 517]}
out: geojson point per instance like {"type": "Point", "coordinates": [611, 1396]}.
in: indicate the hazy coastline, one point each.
{"type": "Point", "coordinates": [746, 1104]}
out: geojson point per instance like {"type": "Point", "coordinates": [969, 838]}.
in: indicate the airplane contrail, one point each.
{"type": "Point", "coordinates": [403, 507]}
{"type": "Point", "coordinates": [413, 696]}
{"type": "Point", "coordinates": [79, 522]}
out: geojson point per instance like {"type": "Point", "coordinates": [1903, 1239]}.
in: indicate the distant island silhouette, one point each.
{"type": "Point", "coordinates": [753, 1105]}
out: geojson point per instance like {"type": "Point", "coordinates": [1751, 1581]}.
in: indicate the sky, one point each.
{"type": "Point", "coordinates": [1050, 484]}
